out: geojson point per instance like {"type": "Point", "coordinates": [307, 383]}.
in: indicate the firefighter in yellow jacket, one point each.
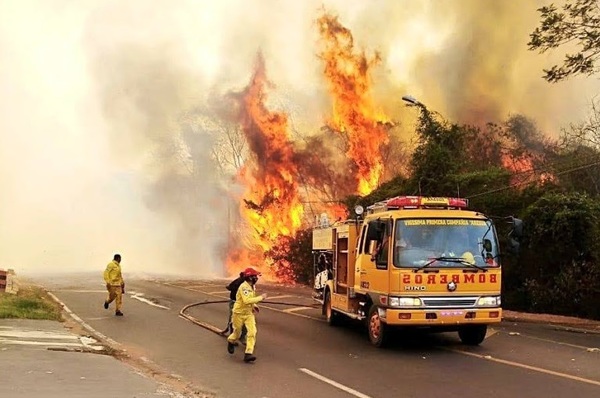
{"type": "Point", "coordinates": [243, 314]}
{"type": "Point", "coordinates": [114, 284]}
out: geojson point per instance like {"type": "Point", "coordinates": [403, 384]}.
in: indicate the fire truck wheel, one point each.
{"type": "Point", "coordinates": [473, 334]}
{"type": "Point", "coordinates": [378, 331]}
{"type": "Point", "coordinates": [333, 318]}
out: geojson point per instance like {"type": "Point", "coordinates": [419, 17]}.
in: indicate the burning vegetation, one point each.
{"type": "Point", "coordinates": [271, 205]}
{"type": "Point", "coordinates": [355, 115]}
{"type": "Point", "coordinates": [288, 184]}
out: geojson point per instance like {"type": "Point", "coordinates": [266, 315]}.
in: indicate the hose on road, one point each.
{"type": "Point", "coordinates": [213, 328]}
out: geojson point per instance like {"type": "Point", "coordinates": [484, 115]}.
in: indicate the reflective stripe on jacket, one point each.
{"type": "Point", "coordinates": [245, 299]}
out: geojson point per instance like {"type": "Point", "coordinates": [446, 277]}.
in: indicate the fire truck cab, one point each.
{"type": "Point", "coordinates": [412, 261]}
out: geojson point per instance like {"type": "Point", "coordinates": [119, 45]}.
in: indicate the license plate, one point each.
{"type": "Point", "coordinates": [452, 313]}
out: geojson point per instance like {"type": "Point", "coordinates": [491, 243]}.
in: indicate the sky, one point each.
{"type": "Point", "coordinates": [94, 153]}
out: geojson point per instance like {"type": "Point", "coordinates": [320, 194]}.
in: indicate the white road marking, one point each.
{"type": "Point", "coordinates": [85, 325]}
{"type": "Point", "coordinates": [290, 310]}
{"type": "Point", "coordinates": [83, 291]}
{"type": "Point", "coordinates": [490, 333]}
{"type": "Point", "coordinates": [44, 343]}
{"type": "Point", "coordinates": [36, 334]}
{"type": "Point", "coordinates": [334, 383]}
{"type": "Point", "coordinates": [138, 296]}
{"type": "Point", "coordinates": [279, 297]}
{"type": "Point", "coordinates": [554, 341]}
{"type": "Point", "coordinates": [524, 366]}
{"type": "Point", "coordinates": [260, 305]}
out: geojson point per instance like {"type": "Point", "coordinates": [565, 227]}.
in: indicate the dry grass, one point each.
{"type": "Point", "coordinates": [31, 302]}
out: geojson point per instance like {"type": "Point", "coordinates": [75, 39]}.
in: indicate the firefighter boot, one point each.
{"type": "Point", "coordinates": [249, 358]}
{"type": "Point", "coordinates": [118, 313]}
{"type": "Point", "coordinates": [106, 305]}
{"type": "Point", "coordinates": [230, 347]}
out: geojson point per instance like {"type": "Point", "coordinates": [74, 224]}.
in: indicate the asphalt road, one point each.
{"type": "Point", "coordinates": [299, 355]}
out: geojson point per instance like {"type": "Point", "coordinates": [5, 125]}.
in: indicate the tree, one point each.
{"type": "Point", "coordinates": [292, 257]}
{"type": "Point", "coordinates": [578, 23]}
{"type": "Point", "coordinates": [560, 263]}
{"type": "Point", "coordinates": [436, 156]}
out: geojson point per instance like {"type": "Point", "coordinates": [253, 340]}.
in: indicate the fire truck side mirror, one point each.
{"type": "Point", "coordinates": [372, 246]}
{"type": "Point", "coordinates": [487, 245]}
{"type": "Point", "coordinates": [517, 229]}
{"type": "Point", "coordinates": [515, 235]}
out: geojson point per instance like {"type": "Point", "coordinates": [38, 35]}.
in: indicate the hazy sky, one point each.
{"type": "Point", "coordinates": [92, 93]}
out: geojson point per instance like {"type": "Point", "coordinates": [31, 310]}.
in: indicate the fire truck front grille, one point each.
{"type": "Point", "coordinates": [447, 302]}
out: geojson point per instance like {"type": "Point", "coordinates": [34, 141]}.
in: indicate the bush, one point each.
{"type": "Point", "coordinates": [292, 257]}
{"type": "Point", "coordinates": [560, 264]}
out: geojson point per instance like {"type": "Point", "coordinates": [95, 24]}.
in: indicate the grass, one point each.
{"type": "Point", "coordinates": [31, 302]}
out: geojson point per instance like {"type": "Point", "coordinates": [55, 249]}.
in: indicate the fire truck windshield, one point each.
{"type": "Point", "coordinates": [418, 241]}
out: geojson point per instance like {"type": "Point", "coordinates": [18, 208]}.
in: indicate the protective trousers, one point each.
{"type": "Point", "coordinates": [239, 321]}
{"type": "Point", "coordinates": [230, 321]}
{"type": "Point", "coordinates": [115, 292]}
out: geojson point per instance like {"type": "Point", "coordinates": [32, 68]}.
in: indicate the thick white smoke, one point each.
{"type": "Point", "coordinates": [103, 142]}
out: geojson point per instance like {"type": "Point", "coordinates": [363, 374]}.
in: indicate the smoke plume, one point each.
{"type": "Point", "coordinates": [109, 136]}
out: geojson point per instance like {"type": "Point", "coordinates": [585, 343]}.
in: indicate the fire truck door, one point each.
{"type": "Point", "coordinates": [370, 244]}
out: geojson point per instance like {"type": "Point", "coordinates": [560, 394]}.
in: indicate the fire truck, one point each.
{"type": "Point", "coordinates": [412, 261]}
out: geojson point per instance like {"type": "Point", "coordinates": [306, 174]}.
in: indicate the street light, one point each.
{"type": "Point", "coordinates": [412, 100]}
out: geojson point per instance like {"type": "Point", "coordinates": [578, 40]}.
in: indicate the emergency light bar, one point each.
{"type": "Point", "coordinates": [418, 202]}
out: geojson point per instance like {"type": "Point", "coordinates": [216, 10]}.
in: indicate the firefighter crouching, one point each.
{"type": "Point", "coordinates": [243, 314]}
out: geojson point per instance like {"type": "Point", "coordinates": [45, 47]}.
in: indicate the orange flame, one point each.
{"type": "Point", "coordinates": [354, 113]}
{"type": "Point", "coordinates": [271, 205]}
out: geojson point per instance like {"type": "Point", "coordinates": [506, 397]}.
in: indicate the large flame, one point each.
{"type": "Point", "coordinates": [354, 112]}
{"type": "Point", "coordinates": [271, 206]}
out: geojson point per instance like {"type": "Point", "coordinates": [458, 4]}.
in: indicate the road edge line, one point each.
{"type": "Point", "coordinates": [85, 325]}
{"type": "Point", "coordinates": [334, 383]}
{"type": "Point", "coordinates": [148, 369]}
{"type": "Point", "coordinates": [525, 366]}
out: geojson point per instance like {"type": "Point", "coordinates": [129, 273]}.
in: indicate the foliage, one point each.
{"type": "Point", "coordinates": [29, 303]}
{"type": "Point", "coordinates": [560, 263]}
{"type": "Point", "coordinates": [506, 169]}
{"type": "Point", "coordinates": [292, 257]}
{"type": "Point", "coordinates": [436, 156]}
{"type": "Point", "coordinates": [578, 22]}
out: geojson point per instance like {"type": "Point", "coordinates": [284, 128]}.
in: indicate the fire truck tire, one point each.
{"type": "Point", "coordinates": [379, 332]}
{"type": "Point", "coordinates": [472, 334]}
{"type": "Point", "coordinates": [333, 318]}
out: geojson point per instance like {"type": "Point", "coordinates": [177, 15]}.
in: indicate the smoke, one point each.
{"type": "Point", "coordinates": [107, 122]}
{"type": "Point", "coordinates": [484, 71]}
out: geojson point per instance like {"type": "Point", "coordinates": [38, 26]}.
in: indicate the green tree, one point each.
{"type": "Point", "coordinates": [437, 155]}
{"type": "Point", "coordinates": [560, 265]}
{"type": "Point", "coordinates": [577, 23]}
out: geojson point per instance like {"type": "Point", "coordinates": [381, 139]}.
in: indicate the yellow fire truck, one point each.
{"type": "Point", "coordinates": [412, 261]}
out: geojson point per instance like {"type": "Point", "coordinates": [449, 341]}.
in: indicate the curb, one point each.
{"type": "Point", "coordinates": [143, 366]}
{"type": "Point", "coordinates": [105, 339]}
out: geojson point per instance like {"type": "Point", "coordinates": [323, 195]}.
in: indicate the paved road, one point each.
{"type": "Point", "coordinates": [299, 355]}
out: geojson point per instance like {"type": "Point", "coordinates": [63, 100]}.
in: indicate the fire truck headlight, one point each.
{"type": "Point", "coordinates": [494, 301]}
{"type": "Point", "coordinates": [405, 302]}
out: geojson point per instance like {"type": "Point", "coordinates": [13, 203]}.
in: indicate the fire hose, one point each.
{"type": "Point", "coordinates": [212, 328]}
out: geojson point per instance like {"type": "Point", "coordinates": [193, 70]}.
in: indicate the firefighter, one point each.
{"type": "Point", "coordinates": [114, 284]}
{"type": "Point", "coordinates": [233, 288]}
{"type": "Point", "coordinates": [243, 314]}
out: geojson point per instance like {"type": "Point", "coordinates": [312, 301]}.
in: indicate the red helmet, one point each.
{"type": "Point", "coordinates": [251, 272]}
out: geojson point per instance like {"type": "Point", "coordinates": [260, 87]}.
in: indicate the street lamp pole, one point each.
{"type": "Point", "coordinates": [426, 113]}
